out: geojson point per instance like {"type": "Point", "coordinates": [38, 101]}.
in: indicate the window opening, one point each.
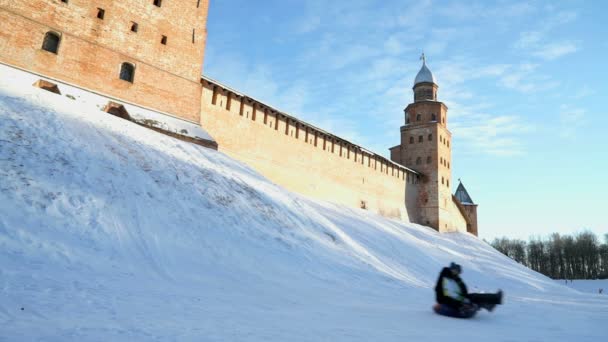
{"type": "Point", "coordinates": [428, 159]}
{"type": "Point", "coordinates": [418, 117]}
{"type": "Point", "coordinates": [163, 40]}
{"type": "Point", "coordinates": [134, 26]}
{"type": "Point", "coordinates": [411, 140]}
{"type": "Point", "coordinates": [420, 138]}
{"type": "Point", "coordinates": [127, 72]}
{"type": "Point", "coordinates": [430, 137]}
{"type": "Point", "coordinates": [158, 3]}
{"type": "Point", "coordinates": [51, 42]}
{"type": "Point", "coordinates": [100, 13]}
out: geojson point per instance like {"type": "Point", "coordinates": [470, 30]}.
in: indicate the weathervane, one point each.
{"type": "Point", "coordinates": [423, 58]}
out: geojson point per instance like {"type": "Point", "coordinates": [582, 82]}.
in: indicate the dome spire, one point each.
{"type": "Point", "coordinates": [424, 75]}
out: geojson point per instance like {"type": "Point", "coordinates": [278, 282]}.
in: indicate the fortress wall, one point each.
{"type": "Point", "coordinates": [452, 218]}
{"type": "Point", "coordinates": [305, 159]}
{"type": "Point", "coordinates": [91, 50]}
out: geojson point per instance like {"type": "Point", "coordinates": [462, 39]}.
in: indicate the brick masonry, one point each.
{"type": "Point", "coordinates": [91, 50]}
{"type": "Point", "coordinates": [305, 159]}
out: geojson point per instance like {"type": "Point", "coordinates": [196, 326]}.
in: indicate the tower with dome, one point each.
{"type": "Point", "coordinates": [426, 147]}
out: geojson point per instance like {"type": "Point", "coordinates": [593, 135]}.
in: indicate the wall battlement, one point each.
{"type": "Point", "coordinates": [302, 157]}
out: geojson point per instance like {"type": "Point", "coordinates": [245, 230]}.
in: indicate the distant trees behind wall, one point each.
{"type": "Point", "coordinates": [581, 256]}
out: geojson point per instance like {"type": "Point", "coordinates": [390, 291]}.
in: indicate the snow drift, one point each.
{"type": "Point", "coordinates": [110, 231]}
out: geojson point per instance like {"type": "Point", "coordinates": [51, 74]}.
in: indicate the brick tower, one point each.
{"type": "Point", "coordinates": [147, 52]}
{"type": "Point", "coordinates": [425, 147]}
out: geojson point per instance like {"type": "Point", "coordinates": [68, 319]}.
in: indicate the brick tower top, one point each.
{"type": "Point", "coordinates": [425, 85]}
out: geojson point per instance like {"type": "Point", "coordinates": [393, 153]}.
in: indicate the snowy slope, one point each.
{"type": "Point", "coordinates": [112, 232]}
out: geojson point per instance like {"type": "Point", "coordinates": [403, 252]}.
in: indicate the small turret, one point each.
{"type": "Point", "coordinates": [425, 85]}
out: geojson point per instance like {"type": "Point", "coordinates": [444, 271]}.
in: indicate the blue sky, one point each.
{"type": "Point", "coordinates": [523, 82]}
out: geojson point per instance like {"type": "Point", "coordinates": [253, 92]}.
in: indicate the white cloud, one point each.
{"type": "Point", "coordinates": [555, 50]}
{"type": "Point", "coordinates": [498, 136]}
{"type": "Point", "coordinates": [309, 24]}
{"type": "Point", "coordinates": [571, 119]}
{"type": "Point", "coordinates": [537, 41]}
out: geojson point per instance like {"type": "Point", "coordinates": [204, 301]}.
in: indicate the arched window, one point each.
{"type": "Point", "coordinates": [418, 161]}
{"type": "Point", "coordinates": [127, 72]}
{"type": "Point", "coordinates": [411, 140]}
{"type": "Point", "coordinates": [428, 159]}
{"type": "Point", "coordinates": [51, 42]}
{"type": "Point", "coordinates": [407, 119]}
{"type": "Point", "coordinates": [442, 181]}
{"type": "Point", "coordinates": [418, 117]}
{"type": "Point", "coordinates": [433, 117]}
{"type": "Point", "coordinates": [420, 138]}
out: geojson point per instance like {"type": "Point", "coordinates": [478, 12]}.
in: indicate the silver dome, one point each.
{"type": "Point", "coordinates": [424, 75]}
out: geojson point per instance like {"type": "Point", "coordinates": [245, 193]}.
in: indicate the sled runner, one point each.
{"type": "Point", "coordinates": [467, 311]}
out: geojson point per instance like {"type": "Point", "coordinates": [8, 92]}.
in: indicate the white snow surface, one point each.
{"type": "Point", "coordinates": [587, 285]}
{"type": "Point", "coordinates": [113, 232]}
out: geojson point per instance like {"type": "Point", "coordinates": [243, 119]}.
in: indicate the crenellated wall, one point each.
{"type": "Point", "coordinates": [304, 158]}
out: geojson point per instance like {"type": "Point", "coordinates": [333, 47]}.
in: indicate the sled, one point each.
{"type": "Point", "coordinates": [464, 312]}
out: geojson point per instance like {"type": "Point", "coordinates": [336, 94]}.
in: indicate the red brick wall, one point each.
{"type": "Point", "coordinates": [167, 77]}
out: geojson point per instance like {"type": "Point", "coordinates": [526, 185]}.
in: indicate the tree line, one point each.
{"type": "Point", "coordinates": [579, 256]}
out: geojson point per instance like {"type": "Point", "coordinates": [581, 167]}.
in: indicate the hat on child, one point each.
{"type": "Point", "coordinates": [455, 267]}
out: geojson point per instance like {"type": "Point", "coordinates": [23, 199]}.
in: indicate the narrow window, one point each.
{"type": "Point", "coordinates": [407, 119]}
{"type": "Point", "coordinates": [448, 143]}
{"type": "Point", "coordinates": [193, 30]}
{"type": "Point", "coordinates": [448, 183]}
{"type": "Point", "coordinates": [100, 13]}
{"type": "Point", "coordinates": [127, 72]}
{"type": "Point", "coordinates": [411, 140]}
{"type": "Point", "coordinates": [163, 40]}
{"type": "Point", "coordinates": [198, 3]}
{"type": "Point", "coordinates": [157, 3]}
{"type": "Point", "coordinates": [433, 117]}
{"type": "Point", "coordinates": [420, 138]}
{"type": "Point", "coordinates": [430, 137]}
{"type": "Point", "coordinates": [442, 182]}
{"type": "Point", "coordinates": [214, 96]}
{"type": "Point", "coordinates": [51, 42]}
{"type": "Point", "coordinates": [134, 26]}
{"type": "Point", "coordinates": [418, 117]}
{"type": "Point", "coordinates": [428, 159]}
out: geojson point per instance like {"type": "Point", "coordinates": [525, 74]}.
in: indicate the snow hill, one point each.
{"type": "Point", "coordinates": [112, 232]}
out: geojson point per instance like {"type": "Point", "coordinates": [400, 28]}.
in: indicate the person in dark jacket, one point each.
{"type": "Point", "coordinates": [451, 290]}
